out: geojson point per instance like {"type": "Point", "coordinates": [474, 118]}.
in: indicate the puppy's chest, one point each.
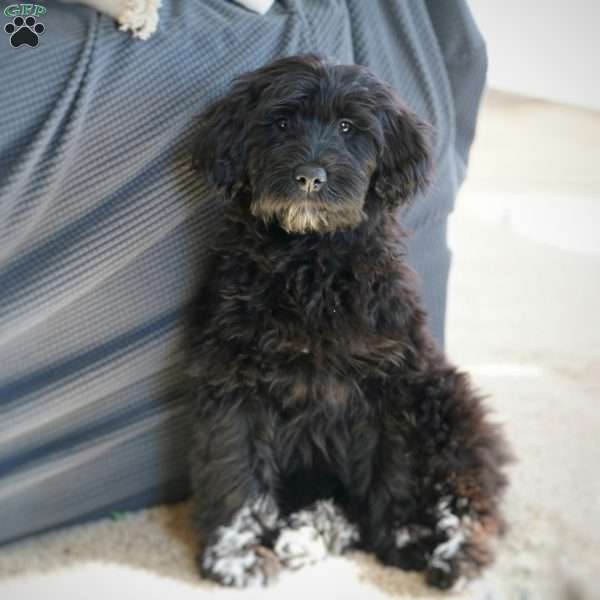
{"type": "Point", "coordinates": [313, 309]}
{"type": "Point", "coordinates": [306, 329]}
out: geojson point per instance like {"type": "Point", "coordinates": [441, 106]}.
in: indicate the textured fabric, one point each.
{"type": "Point", "coordinates": [105, 229]}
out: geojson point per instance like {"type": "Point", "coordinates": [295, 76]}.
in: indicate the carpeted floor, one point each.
{"type": "Point", "coordinates": [523, 319]}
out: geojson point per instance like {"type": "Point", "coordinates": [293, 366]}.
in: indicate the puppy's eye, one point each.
{"type": "Point", "coordinates": [345, 126]}
{"type": "Point", "coordinates": [282, 124]}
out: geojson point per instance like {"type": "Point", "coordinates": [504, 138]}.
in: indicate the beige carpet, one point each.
{"type": "Point", "coordinates": [523, 317]}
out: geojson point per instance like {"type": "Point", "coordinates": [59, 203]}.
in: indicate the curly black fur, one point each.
{"type": "Point", "coordinates": [316, 376]}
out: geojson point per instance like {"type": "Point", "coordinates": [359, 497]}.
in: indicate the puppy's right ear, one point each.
{"type": "Point", "coordinates": [219, 153]}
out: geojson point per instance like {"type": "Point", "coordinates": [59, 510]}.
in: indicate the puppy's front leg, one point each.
{"type": "Point", "coordinates": [235, 510]}
{"type": "Point", "coordinates": [382, 488]}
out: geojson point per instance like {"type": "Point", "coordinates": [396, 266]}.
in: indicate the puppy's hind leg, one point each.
{"type": "Point", "coordinates": [461, 463]}
{"type": "Point", "coordinates": [309, 535]}
{"type": "Point", "coordinates": [429, 491]}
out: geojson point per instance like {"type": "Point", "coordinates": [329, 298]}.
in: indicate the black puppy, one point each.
{"type": "Point", "coordinates": [325, 416]}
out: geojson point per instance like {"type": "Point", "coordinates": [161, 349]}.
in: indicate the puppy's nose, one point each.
{"type": "Point", "coordinates": [310, 178]}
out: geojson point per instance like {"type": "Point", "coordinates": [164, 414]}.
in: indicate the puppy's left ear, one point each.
{"type": "Point", "coordinates": [404, 167]}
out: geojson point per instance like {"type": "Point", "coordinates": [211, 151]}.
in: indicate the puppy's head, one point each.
{"type": "Point", "coordinates": [318, 145]}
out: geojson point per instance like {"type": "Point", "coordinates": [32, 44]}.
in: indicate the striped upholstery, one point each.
{"type": "Point", "coordinates": [105, 230]}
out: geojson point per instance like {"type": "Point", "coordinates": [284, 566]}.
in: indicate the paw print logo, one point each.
{"type": "Point", "coordinates": [24, 31]}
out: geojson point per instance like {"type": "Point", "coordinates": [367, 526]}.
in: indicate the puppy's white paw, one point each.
{"type": "Point", "coordinates": [236, 556]}
{"type": "Point", "coordinates": [296, 548]}
{"type": "Point", "coordinates": [453, 529]}
{"type": "Point", "coordinates": [313, 533]}
{"type": "Point", "coordinates": [242, 567]}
